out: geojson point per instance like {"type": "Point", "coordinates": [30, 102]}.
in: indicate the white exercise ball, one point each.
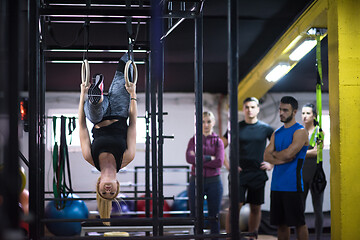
{"type": "Point", "coordinates": [244, 217]}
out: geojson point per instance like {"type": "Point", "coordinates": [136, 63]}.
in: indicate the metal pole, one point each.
{"type": "Point", "coordinates": [10, 93]}
{"type": "Point", "coordinates": [170, 8]}
{"type": "Point", "coordinates": [160, 85]}
{"type": "Point", "coordinates": [42, 119]}
{"type": "Point", "coordinates": [83, 12]}
{"type": "Point", "coordinates": [35, 177]}
{"type": "Point", "coordinates": [199, 182]}
{"type": "Point", "coordinates": [172, 28]}
{"type": "Point", "coordinates": [233, 66]}
{"type": "Point", "coordinates": [147, 141]}
{"type": "Point", "coordinates": [154, 156]}
{"type": "Point", "coordinates": [156, 72]}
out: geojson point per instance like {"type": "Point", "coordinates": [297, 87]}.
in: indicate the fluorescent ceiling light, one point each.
{"type": "Point", "coordinates": [277, 72]}
{"type": "Point", "coordinates": [302, 50]}
{"type": "Point", "coordinates": [311, 31]}
{"type": "Point", "coordinates": [93, 62]}
{"type": "Point", "coordinates": [95, 50]}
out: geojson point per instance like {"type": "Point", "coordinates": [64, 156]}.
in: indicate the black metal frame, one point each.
{"type": "Point", "coordinates": [36, 122]}
{"type": "Point", "coordinates": [233, 73]}
{"type": "Point", "coordinates": [199, 180]}
{"type": "Point", "coordinates": [153, 105]}
{"type": "Point", "coordinates": [9, 110]}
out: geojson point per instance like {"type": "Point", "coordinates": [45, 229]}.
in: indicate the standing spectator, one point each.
{"type": "Point", "coordinates": [253, 135]}
{"type": "Point", "coordinates": [310, 123]}
{"type": "Point", "coordinates": [213, 159]}
{"type": "Point", "coordinates": [287, 151]}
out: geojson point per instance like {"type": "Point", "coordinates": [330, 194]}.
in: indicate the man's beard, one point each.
{"type": "Point", "coordinates": [288, 119]}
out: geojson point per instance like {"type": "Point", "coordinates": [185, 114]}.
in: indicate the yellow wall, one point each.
{"type": "Point", "coordinates": [344, 94]}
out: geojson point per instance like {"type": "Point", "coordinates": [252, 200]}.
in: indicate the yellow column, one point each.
{"type": "Point", "coordinates": [344, 101]}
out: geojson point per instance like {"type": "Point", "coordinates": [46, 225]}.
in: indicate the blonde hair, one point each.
{"type": "Point", "coordinates": [209, 114]}
{"type": "Point", "coordinates": [105, 204]}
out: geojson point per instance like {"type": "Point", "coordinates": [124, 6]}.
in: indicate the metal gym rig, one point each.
{"type": "Point", "coordinates": [151, 13]}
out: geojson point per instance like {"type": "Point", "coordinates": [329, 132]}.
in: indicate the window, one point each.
{"type": "Point", "coordinates": [73, 140]}
{"type": "Point", "coordinates": [141, 130]}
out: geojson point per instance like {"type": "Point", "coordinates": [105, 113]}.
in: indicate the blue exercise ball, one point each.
{"type": "Point", "coordinates": [73, 210]}
{"type": "Point", "coordinates": [180, 204]}
{"type": "Point", "coordinates": [120, 209]}
{"type": "Point", "coordinates": [129, 203]}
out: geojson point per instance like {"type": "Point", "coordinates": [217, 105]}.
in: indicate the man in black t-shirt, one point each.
{"type": "Point", "coordinates": [253, 135]}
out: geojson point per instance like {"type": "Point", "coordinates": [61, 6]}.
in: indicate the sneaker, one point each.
{"type": "Point", "coordinates": [96, 89]}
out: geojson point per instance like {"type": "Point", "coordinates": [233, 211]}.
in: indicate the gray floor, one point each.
{"type": "Point", "coordinates": [312, 236]}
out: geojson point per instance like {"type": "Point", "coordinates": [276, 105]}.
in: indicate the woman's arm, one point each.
{"type": "Point", "coordinates": [312, 153]}
{"type": "Point", "coordinates": [129, 154]}
{"type": "Point", "coordinates": [225, 141]}
{"type": "Point", "coordinates": [191, 156]}
{"type": "Point", "coordinates": [190, 151]}
{"type": "Point", "coordinates": [83, 130]}
{"type": "Point", "coordinates": [226, 162]}
{"type": "Point", "coordinates": [217, 160]}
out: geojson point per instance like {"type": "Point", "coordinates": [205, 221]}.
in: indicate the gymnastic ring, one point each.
{"type": "Point", "coordinates": [85, 72]}
{"type": "Point", "coordinates": [126, 72]}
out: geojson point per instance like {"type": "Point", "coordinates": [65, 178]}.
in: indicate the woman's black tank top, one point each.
{"type": "Point", "coordinates": [111, 139]}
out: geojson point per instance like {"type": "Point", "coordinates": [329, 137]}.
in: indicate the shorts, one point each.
{"type": "Point", "coordinates": [252, 187]}
{"type": "Point", "coordinates": [287, 208]}
{"type": "Point", "coordinates": [254, 195]}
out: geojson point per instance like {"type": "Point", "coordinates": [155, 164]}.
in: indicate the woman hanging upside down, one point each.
{"type": "Point", "coordinates": [114, 142]}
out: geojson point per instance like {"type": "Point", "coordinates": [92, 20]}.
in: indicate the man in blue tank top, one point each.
{"type": "Point", "coordinates": [287, 150]}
